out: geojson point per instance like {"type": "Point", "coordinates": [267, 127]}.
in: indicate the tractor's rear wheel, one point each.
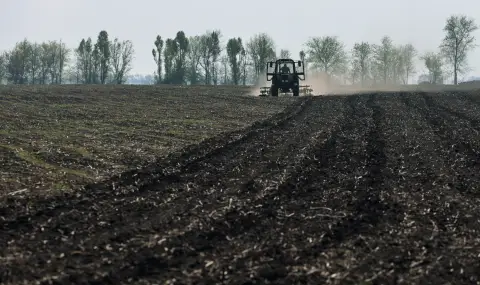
{"type": "Point", "coordinates": [296, 91]}
{"type": "Point", "coordinates": [274, 91]}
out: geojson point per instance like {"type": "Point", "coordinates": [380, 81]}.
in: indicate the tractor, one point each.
{"type": "Point", "coordinates": [285, 75]}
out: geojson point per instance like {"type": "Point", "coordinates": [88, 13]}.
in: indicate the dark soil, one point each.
{"type": "Point", "coordinates": [57, 138]}
{"type": "Point", "coordinates": [363, 189]}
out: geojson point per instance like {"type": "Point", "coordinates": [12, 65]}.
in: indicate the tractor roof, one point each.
{"type": "Point", "coordinates": [285, 60]}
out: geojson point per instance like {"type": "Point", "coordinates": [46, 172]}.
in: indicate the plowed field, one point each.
{"type": "Point", "coordinates": [361, 189]}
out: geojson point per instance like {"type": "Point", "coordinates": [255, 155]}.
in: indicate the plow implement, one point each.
{"type": "Point", "coordinates": [305, 90]}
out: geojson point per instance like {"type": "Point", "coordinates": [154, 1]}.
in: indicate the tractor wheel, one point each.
{"type": "Point", "coordinates": [274, 91]}
{"type": "Point", "coordinates": [296, 92]}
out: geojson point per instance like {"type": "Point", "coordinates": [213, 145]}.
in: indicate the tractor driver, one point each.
{"type": "Point", "coordinates": [285, 69]}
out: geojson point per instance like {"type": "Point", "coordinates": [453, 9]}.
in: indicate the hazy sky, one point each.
{"type": "Point", "coordinates": [290, 23]}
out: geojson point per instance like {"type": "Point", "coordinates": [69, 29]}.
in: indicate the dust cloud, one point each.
{"type": "Point", "coordinates": [324, 84]}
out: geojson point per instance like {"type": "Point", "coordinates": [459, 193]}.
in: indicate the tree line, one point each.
{"type": "Point", "coordinates": [211, 60]}
{"type": "Point", "coordinates": [100, 62]}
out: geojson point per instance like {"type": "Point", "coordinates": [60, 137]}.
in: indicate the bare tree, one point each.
{"type": "Point", "coordinates": [53, 61]}
{"type": "Point", "coordinates": [284, 53]}
{"type": "Point", "coordinates": [457, 42]}
{"type": "Point", "coordinates": [103, 48]}
{"type": "Point", "coordinates": [234, 49]}
{"type": "Point", "coordinates": [354, 71]}
{"type": "Point", "coordinates": [433, 62]}
{"type": "Point", "coordinates": [261, 49]}
{"type": "Point", "coordinates": [52, 58]}
{"type": "Point", "coordinates": [44, 54]}
{"type": "Point", "coordinates": [84, 60]}
{"type": "Point", "coordinates": [194, 56]}
{"type": "Point", "coordinates": [216, 56]}
{"type": "Point", "coordinates": [383, 58]}
{"type": "Point", "coordinates": [72, 74]}
{"type": "Point", "coordinates": [121, 54]}
{"type": "Point", "coordinates": [88, 61]}
{"type": "Point", "coordinates": [397, 65]}
{"type": "Point", "coordinates": [175, 54]}
{"type": "Point", "coordinates": [169, 54]}
{"type": "Point", "coordinates": [302, 56]}
{"type": "Point", "coordinates": [326, 53]}
{"type": "Point", "coordinates": [210, 51]}
{"type": "Point", "coordinates": [63, 60]}
{"type": "Point", "coordinates": [3, 63]}
{"type": "Point", "coordinates": [244, 62]}
{"type": "Point", "coordinates": [224, 64]}
{"type": "Point", "coordinates": [157, 56]}
{"type": "Point", "coordinates": [17, 63]}
{"type": "Point", "coordinates": [362, 56]}
{"type": "Point", "coordinates": [206, 47]}
{"type": "Point", "coordinates": [34, 62]}
{"type": "Point", "coordinates": [408, 54]}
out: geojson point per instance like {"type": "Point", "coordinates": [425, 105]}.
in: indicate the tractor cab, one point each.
{"type": "Point", "coordinates": [285, 66]}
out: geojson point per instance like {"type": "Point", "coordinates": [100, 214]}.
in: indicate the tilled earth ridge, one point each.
{"type": "Point", "coordinates": [368, 189]}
